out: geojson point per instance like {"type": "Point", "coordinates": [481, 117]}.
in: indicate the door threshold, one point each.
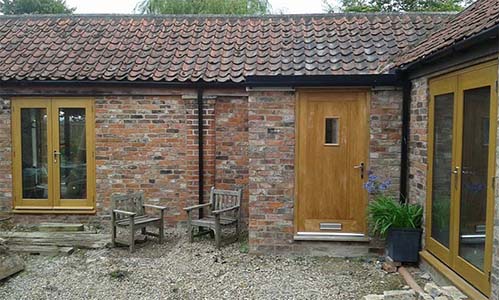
{"type": "Point", "coordinates": [452, 276]}
{"type": "Point", "coordinates": [331, 237]}
{"type": "Point", "coordinates": [55, 212]}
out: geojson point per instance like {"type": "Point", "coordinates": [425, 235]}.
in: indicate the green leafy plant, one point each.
{"type": "Point", "coordinates": [20, 7]}
{"type": "Point", "coordinates": [386, 213]}
{"type": "Point", "coordinates": [224, 7]}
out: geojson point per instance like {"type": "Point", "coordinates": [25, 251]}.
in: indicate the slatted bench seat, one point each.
{"type": "Point", "coordinates": [224, 209]}
{"type": "Point", "coordinates": [129, 211]}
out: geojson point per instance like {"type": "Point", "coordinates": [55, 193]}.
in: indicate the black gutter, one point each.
{"type": "Point", "coordinates": [200, 151]}
{"type": "Point", "coordinates": [324, 80]}
{"type": "Point", "coordinates": [404, 158]}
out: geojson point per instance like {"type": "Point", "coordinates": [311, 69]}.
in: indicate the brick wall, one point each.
{"type": "Point", "coordinates": [232, 145]}
{"type": "Point", "coordinates": [386, 135]}
{"type": "Point", "coordinates": [418, 139]}
{"type": "Point", "coordinates": [141, 145]}
{"type": "Point", "coordinates": [150, 143]}
{"type": "Point", "coordinates": [5, 156]}
{"type": "Point", "coordinates": [271, 168]}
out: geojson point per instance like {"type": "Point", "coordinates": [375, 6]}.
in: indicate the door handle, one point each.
{"type": "Point", "coordinates": [456, 175]}
{"type": "Point", "coordinates": [56, 153]}
{"type": "Point", "coordinates": [361, 168]}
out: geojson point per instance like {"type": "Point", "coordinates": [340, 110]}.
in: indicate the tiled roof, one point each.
{"type": "Point", "coordinates": [478, 17]}
{"type": "Point", "coordinates": [203, 48]}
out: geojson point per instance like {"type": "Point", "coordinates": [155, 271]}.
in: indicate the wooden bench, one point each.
{"type": "Point", "coordinates": [129, 211]}
{"type": "Point", "coordinates": [224, 209]}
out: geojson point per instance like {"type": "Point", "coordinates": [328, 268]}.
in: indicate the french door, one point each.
{"type": "Point", "coordinates": [461, 179]}
{"type": "Point", "coordinates": [53, 154]}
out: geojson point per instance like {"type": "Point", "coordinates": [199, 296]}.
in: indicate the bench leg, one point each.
{"type": "Point", "coordinates": [113, 235]}
{"type": "Point", "coordinates": [161, 231]}
{"type": "Point", "coordinates": [238, 229]}
{"type": "Point", "coordinates": [218, 231]}
{"type": "Point", "coordinates": [190, 230]}
{"type": "Point", "coordinates": [113, 229]}
{"type": "Point", "coordinates": [132, 238]}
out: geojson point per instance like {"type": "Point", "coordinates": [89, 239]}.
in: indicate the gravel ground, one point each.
{"type": "Point", "coordinates": [179, 270]}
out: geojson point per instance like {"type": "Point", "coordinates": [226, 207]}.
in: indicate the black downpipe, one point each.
{"type": "Point", "coordinates": [406, 118]}
{"type": "Point", "coordinates": [201, 150]}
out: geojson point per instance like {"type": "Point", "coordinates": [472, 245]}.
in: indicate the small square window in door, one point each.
{"type": "Point", "coordinates": [332, 131]}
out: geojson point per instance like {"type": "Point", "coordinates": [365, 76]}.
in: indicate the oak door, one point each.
{"type": "Point", "coordinates": [332, 162]}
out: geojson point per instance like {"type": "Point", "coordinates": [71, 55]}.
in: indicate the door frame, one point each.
{"type": "Point", "coordinates": [298, 99]}
{"type": "Point", "coordinates": [451, 82]}
{"type": "Point", "coordinates": [50, 103]}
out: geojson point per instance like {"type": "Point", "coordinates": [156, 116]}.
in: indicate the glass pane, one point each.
{"type": "Point", "coordinates": [442, 167]}
{"type": "Point", "coordinates": [73, 154]}
{"type": "Point", "coordinates": [332, 131]}
{"type": "Point", "coordinates": [474, 177]}
{"type": "Point", "coordinates": [34, 153]}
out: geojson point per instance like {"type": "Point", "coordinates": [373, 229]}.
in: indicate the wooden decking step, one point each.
{"type": "Point", "coordinates": [78, 239]}
{"type": "Point", "coordinates": [42, 250]}
{"type": "Point", "coordinates": [59, 227]}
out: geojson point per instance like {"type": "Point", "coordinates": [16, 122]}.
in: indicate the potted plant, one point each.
{"type": "Point", "coordinates": [399, 223]}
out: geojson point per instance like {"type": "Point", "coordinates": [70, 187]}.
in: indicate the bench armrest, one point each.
{"type": "Point", "coordinates": [217, 212]}
{"type": "Point", "coordinates": [188, 209]}
{"type": "Point", "coordinates": [124, 212]}
{"type": "Point", "coordinates": [154, 206]}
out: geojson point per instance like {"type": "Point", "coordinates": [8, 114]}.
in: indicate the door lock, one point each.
{"type": "Point", "coordinates": [361, 168]}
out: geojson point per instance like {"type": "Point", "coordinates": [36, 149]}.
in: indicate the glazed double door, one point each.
{"type": "Point", "coordinates": [53, 154]}
{"type": "Point", "coordinates": [463, 122]}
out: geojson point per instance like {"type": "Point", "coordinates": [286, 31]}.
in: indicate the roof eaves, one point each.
{"type": "Point", "coordinates": [456, 46]}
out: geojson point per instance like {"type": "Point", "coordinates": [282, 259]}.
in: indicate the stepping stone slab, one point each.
{"type": "Point", "coordinates": [400, 295]}
{"type": "Point", "coordinates": [453, 293]}
{"type": "Point", "coordinates": [424, 296]}
{"type": "Point", "coordinates": [9, 265]}
{"type": "Point", "coordinates": [373, 297]}
{"type": "Point", "coordinates": [59, 227]}
{"type": "Point", "coordinates": [432, 289]}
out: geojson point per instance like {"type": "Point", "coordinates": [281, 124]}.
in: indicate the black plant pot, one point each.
{"type": "Point", "coordinates": [403, 244]}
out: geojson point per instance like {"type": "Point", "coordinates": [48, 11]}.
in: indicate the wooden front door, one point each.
{"type": "Point", "coordinates": [53, 154]}
{"type": "Point", "coordinates": [332, 162]}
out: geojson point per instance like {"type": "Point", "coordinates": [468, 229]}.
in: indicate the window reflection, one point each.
{"type": "Point", "coordinates": [474, 175]}
{"type": "Point", "coordinates": [34, 153]}
{"type": "Point", "coordinates": [73, 154]}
